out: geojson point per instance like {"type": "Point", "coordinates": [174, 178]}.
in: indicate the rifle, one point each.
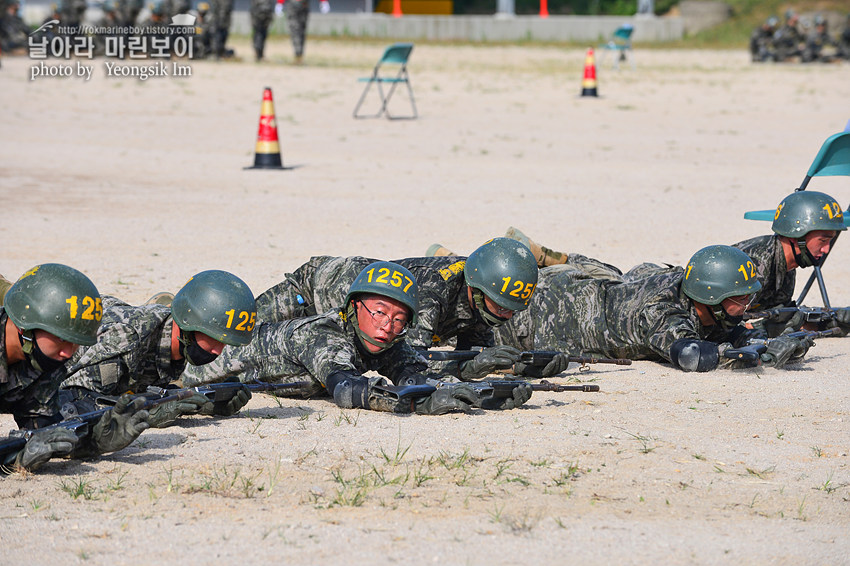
{"type": "Point", "coordinates": [810, 314]}
{"type": "Point", "coordinates": [79, 425]}
{"type": "Point", "coordinates": [756, 347]}
{"type": "Point", "coordinates": [224, 391]}
{"type": "Point", "coordinates": [537, 358]}
{"type": "Point", "coordinates": [504, 388]}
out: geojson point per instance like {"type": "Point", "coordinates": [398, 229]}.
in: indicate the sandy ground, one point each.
{"type": "Point", "coordinates": [141, 184]}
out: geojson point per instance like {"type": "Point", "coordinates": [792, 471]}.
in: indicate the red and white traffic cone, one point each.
{"type": "Point", "coordinates": [588, 84]}
{"type": "Point", "coordinates": [267, 153]}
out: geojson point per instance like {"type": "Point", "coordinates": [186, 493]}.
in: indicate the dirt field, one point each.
{"type": "Point", "coordinates": [140, 184]}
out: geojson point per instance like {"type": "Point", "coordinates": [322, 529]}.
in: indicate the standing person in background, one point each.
{"type": "Point", "coordinates": [262, 14]}
{"type": "Point", "coordinates": [297, 13]}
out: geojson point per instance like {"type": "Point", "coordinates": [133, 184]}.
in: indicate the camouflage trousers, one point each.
{"type": "Point", "coordinates": [297, 12]}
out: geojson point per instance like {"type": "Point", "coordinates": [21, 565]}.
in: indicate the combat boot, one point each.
{"type": "Point", "coordinates": [543, 255]}
{"type": "Point", "coordinates": [162, 298]}
{"type": "Point", "coordinates": [436, 250]}
{"type": "Point", "coordinates": [299, 60]}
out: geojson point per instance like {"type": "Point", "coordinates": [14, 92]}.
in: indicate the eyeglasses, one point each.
{"type": "Point", "coordinates": [743, 301]}
{"type": "Point", "coordinates": [380, 320]}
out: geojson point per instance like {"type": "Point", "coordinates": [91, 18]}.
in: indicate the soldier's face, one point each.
{"type": "Point", "coordinates": [819, 242]}
{"type": "Point", "coordinates": [54, 347]}
{"type": "Point", "coordinates": [496, 309]}
{"type": "Point", "coordinates": [211, 345]}
{"type": "Point", "coordinates": [377, 316]}
{"type": "Point", "coordinates": [735, 306]}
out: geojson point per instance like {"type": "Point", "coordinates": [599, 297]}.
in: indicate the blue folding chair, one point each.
{"type": "Point", "coordinates": [833, 159]}
{"type": "Point", "coordinates": [396, 54]}
{"type": "Point", "coordinates": [620, 44]}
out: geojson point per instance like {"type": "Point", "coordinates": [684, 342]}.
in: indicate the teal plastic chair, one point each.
{"type": "Point", "coordinates": [396, 54]}
{"type": "Point", "coordinates": [833, 159]}
{"type": "Point", "coordinates": [620, 44]}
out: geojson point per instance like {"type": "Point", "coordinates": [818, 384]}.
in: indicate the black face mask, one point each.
{"type": "Point", "coordinates": [194, 354]}
{"type": "Point", "coordinates": [727, 321]}
{"type": "Point", "coordinates": [37, 359]}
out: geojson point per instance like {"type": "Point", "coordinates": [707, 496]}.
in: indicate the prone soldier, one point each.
{"type": "Point", "coordinates": [685, 317]}
{"type": "Point", "coordinates": [461, 300]}
{"type": "Point", "coordinates": [150, 345]}
{"type": "Point", "coordinates": [335, 349]}
{"type": "Point", "coordinates": [48, 313]}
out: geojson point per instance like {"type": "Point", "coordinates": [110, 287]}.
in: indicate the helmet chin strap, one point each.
{"type": "Point", "coordinates": [490, 318]}
{"type": "Point", "coordinates": [802, 255]}
{"type": "Point", "coordinates": [351, 315]}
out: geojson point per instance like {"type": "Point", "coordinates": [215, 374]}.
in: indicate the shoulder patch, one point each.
{"type": "Point", "coordinates": [452, 270]}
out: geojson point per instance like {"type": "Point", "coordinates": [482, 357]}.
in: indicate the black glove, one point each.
{"type": "Point", "coordinates": [519, 396]}
{"type": "Point", "coordinates": [841, 321]}
{"type": "Point", "coordinates": [449, 397]}
{"type": "Point", "coordinates": [225, 405]}
{"type": "Point", "coordinates": [784, 349]}
{"type": "Point", "coordinates": [488, 361]}
{"type": "Point", "coordinates": [121, 425]}
{"type": "Point", "coordinates": [44, 445]}
{"type": "Point", "coordinates": [166, 414]}
{"type": "Point", "coordinates": [558, 365]}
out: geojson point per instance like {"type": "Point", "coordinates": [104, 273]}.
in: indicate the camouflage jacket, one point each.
{"type": "Point", "coordinates": [30, 396]}
{"type": "Point", "coordinates": [637, 318]}
{"type": "Point", "coordinates": [133, 351]}
{"type": "Point", "coordinates": [772, 270]}
{"type": "Point", "coordinates": [312, 349]}
{"type": "Point", "coordinates": [445, 317]}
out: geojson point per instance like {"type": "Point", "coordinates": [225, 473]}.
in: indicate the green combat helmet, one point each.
{"type": "Point", "coordinates": [57, 299]}
{"type": "Point", "coordinates": [506, 271]}
{"type": "Point", "coordinates": [716, 273]}
{"type": "Point", "coordinates": [218, 304]}
{"type": "Point", "coordinates": [802, 212]}
{"type": "Point", "coordinates": [387, 279]}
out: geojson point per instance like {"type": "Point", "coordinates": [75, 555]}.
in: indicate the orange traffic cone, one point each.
{"type": "Point", "coordinates": [397, 8]}
{"type": "Point", "coordinates": [588, 84]}
{"type": "Point", "coordinates": [544, 8]}
{"type": "Point", "coordinates": [267, 153]}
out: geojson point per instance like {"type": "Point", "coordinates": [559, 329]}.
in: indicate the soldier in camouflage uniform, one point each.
{"type": "Point", "coordinates": [4, 286]}
{"type": "Point", "coordinates": [805, 227]}
{"type": "Point", "coordinates": [128, 11]}
{"type": "Point", "coordinates": [221, 15]}
{"type": "Point", "coordinates": [49, 312]}
{"type": "Point", "coordinates": [333, 350]}
{"type": "Point", "coordinates": [262, 14]}
{"type": "Point", "coordinates": [685, 317]}
{"type": "Point", "coordinates": [150, 345]}
{"type": "Point", "coordinates": [451, 309]}
{"type": "Point", "coordinates": [788, 41]}
{"type": "Point", "coordinates": [761, 41]}
{"type": "Point", "coordinates": [297, 13]}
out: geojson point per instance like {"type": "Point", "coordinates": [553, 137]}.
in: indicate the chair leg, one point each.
{"type": "Point", "coordinates": [362, 98]}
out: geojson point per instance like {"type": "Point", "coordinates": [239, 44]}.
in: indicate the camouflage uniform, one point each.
{"type": "Point", "coordinates": [787, 41]}
{"type": "Point", "coordinates": [30, 396]}
{"type": "Point", "coordinates": [297, 13]}
{"type": "Point", "coordinates": [128, 11]}
{"type": "Point", "coordinates": [262, 14]}
{"type": "Point", "coordinates": [445, 316]}
{"type": "Point", "coordinates": [639, 318]}
{"type": "Point", "coordinates": [4, 286]}
{"type": "Point", "coordinates": [133, 351]}
{"type": "Point", "coordinates": [221, 12]}
{"type": "Point", "coordinates": [772, 270]}
{"type": "Point", "coordinates": [312, 349]}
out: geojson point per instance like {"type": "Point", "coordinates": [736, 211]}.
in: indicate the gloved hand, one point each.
{"type": "Point", "coordinates": [278, 9]}
{"type": "Point", "coordinates": [449, 397]}
{"type": "Point", "coordinates": [166, 414]}
{"type": "Point", "coordinates": [227, 402]}
{"type": "Point", "coordinates": [793, 323]}
{"type": "Point", "coordinates": [44, 445]}
{"type": "Point", "coordinates": [784, 349]}
{"type": "Point", "coordinates": [558, 365]}
{"type": "Point", "coordinates": [325, 6]}
{"type": "Point", "coordinates": [841, 321]}
{"type": "Point", "coordinates": [121, 425]}
{"type": "Point", "coordinates": [488, 361]}
{"type": "Point", "coordinates": [520, 395]}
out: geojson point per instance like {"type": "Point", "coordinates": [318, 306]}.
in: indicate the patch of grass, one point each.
{"type": "Point", "coordinates": [761, 474]}
{"type": "Point", "coordinates": [78, 487]}
{"type": "Point", "coordinates": [394, 459]}
{"type": "Point", "coordinates": [643, 440]}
